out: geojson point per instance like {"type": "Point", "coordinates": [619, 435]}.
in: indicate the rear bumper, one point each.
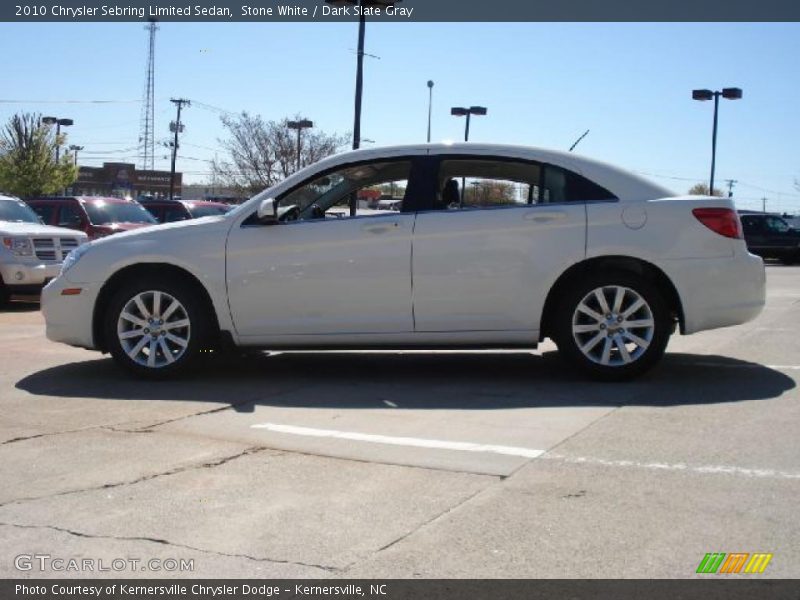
{"type": "Point", "coordinates": [68, 319]}
{"type": "Point", "coordinates": [719, 292]}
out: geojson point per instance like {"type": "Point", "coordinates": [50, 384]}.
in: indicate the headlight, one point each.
{"type": "Point", "coordinates": [73, 257]}
{"type": "Point", "coordinates": [19, 246]}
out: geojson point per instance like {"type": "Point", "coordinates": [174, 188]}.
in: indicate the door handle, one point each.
{"type": "Point", "coordinates": [545, 216]}
{"type": "Point", "coordinates": [379, 227]}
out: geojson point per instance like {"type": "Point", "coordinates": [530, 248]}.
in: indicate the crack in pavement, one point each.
{"type": "Point", "coordinates": [431, 521]}
{"type": "Point", "coordinates": [164, 542]}
{"type": "Point", "coordinates": [205, 465]}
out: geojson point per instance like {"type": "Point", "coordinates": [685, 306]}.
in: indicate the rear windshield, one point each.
{"type": "Point", "coordinates": [201, 210]}
{"type": "Point", "coordinates": [104, 213]}
{"type": "Point", "coordinates": [17, 211]}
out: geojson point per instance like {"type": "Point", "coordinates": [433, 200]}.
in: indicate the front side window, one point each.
{"type": "Point", "coordinates": [69, 216]}
{"type": "Point", "coordinates": [367, 189]}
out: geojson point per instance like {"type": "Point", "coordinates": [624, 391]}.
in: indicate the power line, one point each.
{"type": "Point", "coordinates": [3, 101]}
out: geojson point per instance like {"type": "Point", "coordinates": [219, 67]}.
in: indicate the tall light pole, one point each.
{"type": "Point", "coordinates": [362, 20]}
{"type": "Point", "coordinates": [430, 107]}
{"type": "Point", "coordinates": [58, 123]}
{"type": "Point", "coordinates": [176, 127]}
{"type": "Point", "coordinates": [75, 149]}
{"type": "Point", "coordinates": [702, 95]}
{"type": "Point", "coordinates": [299, 126]}
{"type": "Point", "coordinates": [460, 111]}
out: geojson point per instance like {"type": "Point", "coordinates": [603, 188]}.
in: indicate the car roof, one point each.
{"type": "Point", "coordinates": [89, 199]}
{"type": "Point", "coordinates": [623, 184]}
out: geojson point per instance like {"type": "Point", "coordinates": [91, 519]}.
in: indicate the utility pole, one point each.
{"type": "Point", "coordinates": [763, 205]}
{"type": "Point", "coordinates": [731, 183]}
{"type": "Point", "coordinates": [177, 127]}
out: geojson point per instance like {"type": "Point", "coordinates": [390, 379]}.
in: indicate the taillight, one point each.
{"type": "Point", "coordinates": [723, 221]}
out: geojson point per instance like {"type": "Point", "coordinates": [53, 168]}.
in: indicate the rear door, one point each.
{"type": "Point", "coordinates": [498, 235]}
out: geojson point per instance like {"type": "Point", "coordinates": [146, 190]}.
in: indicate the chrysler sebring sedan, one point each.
{"type": "Point", "coordinates": [491, 247]}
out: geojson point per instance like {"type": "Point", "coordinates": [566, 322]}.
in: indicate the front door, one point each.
{"type": "Point", "coordinates": [334, 264]}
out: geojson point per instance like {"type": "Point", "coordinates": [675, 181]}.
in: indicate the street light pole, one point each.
{"type": "Point", "coordinates": [299, 126]}
{"type": "Point", "coordinates": [75, 149]}
{"type": "Point", "coordinates": [58, 123]}
{"type": "Point", "coordinates": [702, 95]}
{"type": "Point", "coordinates": [430, 107]}
{"type": "Point", "coordinates": [461, 111]}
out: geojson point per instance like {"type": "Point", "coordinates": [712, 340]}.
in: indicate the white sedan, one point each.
{"type": "Point", "coordinates": [493, 247]}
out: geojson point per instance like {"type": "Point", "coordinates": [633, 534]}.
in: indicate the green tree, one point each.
{"type": "Point", "coordinates": [27, 158]}
{"type": "Point", "coordinates": [701, 189]}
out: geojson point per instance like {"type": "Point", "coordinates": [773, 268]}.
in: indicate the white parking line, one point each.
{"type": "Point", "coordinates": [721, 365]}
{"type": "Point", "coordinates": [400, 441]}
{"type": "Point", "coordinates": [655, 466]}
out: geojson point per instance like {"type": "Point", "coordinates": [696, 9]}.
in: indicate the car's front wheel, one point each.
{"type": "Point", "coordinates": [155, 328]}
{"type": "Point", "coordinates": [613, 325]}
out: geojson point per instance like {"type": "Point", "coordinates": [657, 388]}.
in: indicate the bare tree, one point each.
{"type": "Point", "coordinates": [701, 189]}
{"type": "Point", "coordinates": [262, 153]}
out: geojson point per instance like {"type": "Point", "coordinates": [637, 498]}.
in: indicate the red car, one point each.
{"type": "Point", "coordinates": [167, 211]}
{"type": "Point", "coordinates": [97, 216]}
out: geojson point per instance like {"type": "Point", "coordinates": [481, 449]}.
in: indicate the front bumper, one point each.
{"type": "Point", "coordinates": [69, 318]}
{"type": "Point", "coordinates": [28, 275]}
{"type": "Point", "coordinates": [719, 292]}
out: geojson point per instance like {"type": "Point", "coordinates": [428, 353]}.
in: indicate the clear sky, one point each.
{"type": "Point", "coordinates": [544, 84]}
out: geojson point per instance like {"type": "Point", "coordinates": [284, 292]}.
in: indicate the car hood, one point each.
{"type": "Point", "coordinates": [36, 229]}
{"type": "Point", "coordinates": [158, 231]}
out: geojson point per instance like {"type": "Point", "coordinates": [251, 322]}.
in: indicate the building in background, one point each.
{"type": "Point", "coordinates": [123, 180]}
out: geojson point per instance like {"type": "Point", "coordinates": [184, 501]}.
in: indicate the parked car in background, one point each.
{"type": "Point", "coordinates": [770, 236]}
{"type": "Point", "coordinates": [167, 211]}
{"type": "Point", "coordinates": [541, 244]}
{"type": "Point", "coordinates": [97, 216]}
{"type": "Point", "coordinates": [31, 252]}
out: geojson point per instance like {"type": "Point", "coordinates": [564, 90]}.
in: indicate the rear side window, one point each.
{"type": "Point", "coordinates": [561, 185]}
{"type": "Point", "coordinates": [752, 224]}
{"type": "Point", "coordinates": [486, 182]}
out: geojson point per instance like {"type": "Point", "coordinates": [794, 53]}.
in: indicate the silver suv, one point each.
{"type": "Point", "coordinates": [31, 253]}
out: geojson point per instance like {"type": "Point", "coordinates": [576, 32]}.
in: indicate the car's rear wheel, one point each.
{"type": "Point", "coordinates": [613, 325]}
{"type": "Point", "coordinates": [155, 328]}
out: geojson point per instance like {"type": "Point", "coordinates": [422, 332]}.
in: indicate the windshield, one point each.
{"type": "Point", "coordinates": [201, 210]}
{"type": "Point", "coordinates": [105, 213]}
{"type": "Point", "coordinates": [17, 211]}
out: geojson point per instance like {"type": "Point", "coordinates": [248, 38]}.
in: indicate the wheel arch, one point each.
{"type": "Point", "coordinates": [637, 266]}
{"type": "Point", "coordinates": [142, 270]}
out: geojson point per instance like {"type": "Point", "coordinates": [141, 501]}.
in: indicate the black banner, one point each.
{"type": "Point", "coordinates": [401, 11]}
{"type": "Point", "coordinates": [734, 588]}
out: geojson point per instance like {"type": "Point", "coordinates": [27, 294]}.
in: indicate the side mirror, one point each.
{"type": "Point", "coordinates": [266, 212]}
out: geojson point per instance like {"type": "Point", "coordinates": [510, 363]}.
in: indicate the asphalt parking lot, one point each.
{"type": "Point", "coordinates": [436, 464]}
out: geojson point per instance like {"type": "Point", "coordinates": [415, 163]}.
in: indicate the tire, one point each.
{"type": "Point", "coordinates": [605, 348]}
{"type": "Point", "coordinates": [790, 259]}
{"type": "Point", "coordinates": [156, 328]}
{"type": "Point", "coordinates": [5, 295]}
